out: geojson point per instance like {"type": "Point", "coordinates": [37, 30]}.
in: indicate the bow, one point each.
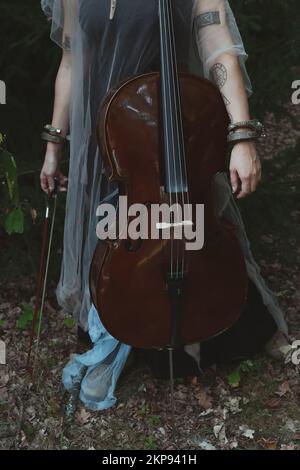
{"type": "Point", "coordinates": [42, 279]}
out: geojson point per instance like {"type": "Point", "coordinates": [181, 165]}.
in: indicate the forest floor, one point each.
{"type": "Point", "coordinates": [249, 405]}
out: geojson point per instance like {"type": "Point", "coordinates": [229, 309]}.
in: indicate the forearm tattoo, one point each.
{"type": "Point", "coordinates": [66, 43]}
{"type": "Point", "coordinates": [218, 74]}
{"type": "Point", "coordinates": [207, 19]}
{"type": "Point", "coordinates": [226, 100]}
{"type": "Point", "coordinates": [227, 103]}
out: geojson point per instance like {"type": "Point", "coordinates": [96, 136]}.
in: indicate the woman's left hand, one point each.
{"type": "Point", "coordinates": [245, 168]}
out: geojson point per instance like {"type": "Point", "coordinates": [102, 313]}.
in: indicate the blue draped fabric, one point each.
{"type": "Point", "coordinates": [104, 363]}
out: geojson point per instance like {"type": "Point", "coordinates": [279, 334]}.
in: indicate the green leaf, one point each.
{"type": "Point", "coordinates": [234, 378]}
{"type": "Point", "coordinates": [154, 420]}
{"type": "Point", "coordinates": [150, 443]}
{"type": "Point", "coordinates": [10, 169]}
{"type": "Point", "coordinates": [69, 322]}
{"type": "Point", "coordinates": [26, 316]}
{"type": "Point", "coordinates": [14, 221]}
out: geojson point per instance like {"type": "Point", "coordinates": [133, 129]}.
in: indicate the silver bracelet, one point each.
{"type": "Point", "coordinates": [53, 134]}
{"type": "Point", "coordinates": [52, 138]}
{"type": "Point", "coordinates": [253, 124]}
{"type": "Point", "coordinates": [241, 136]}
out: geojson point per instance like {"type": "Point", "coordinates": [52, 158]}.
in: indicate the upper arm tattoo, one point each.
{"type": "Point", "coordinates": [66, 43]}
{"type": "Point", "coordinates": [207, 19]}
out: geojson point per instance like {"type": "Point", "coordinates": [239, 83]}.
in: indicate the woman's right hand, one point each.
{"type": "Point", "coordinates": [50, 172]}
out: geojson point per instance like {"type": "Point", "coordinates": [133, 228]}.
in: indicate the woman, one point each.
{"type": "Point", "coordinates": [104, 42]}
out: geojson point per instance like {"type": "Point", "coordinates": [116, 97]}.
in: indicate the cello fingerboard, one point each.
{"type": "Point", "coordinates": [173, 138]}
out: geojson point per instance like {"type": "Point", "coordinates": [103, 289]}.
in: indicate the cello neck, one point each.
{"type": "Point", "coordinates": [174, 151]}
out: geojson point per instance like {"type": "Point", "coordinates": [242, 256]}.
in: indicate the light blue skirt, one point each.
{"type": "Point", "coordinates": [104, 363]}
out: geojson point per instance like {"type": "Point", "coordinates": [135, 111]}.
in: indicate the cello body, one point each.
{"type": "Point", "coordinates": [129, 279]}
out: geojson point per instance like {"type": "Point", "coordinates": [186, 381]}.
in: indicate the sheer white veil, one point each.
{"type": "Point", "coordinates": [92, 77]}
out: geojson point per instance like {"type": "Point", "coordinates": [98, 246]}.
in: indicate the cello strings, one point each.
{"type": "Point", "coordinates": [178, 118]}
{"type": "Point", "coordinates": [179, 127]}
{"type": "Point", "coordinates": [174, 79]}
{"type": "Point", "coordinates": [170, 116]}
{"type": "Point", "coordinates": [170, 68]}
{"type": "Point", "coordinates": [167, 148]}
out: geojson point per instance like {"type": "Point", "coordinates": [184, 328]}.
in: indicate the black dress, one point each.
{"type": "Point", "coordinates": [118, 44]}
{"type": "Point", "coordinates": [244, 339]}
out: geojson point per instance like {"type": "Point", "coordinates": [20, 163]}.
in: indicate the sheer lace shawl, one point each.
{"type": "Point", "coordinates": [94, 72]}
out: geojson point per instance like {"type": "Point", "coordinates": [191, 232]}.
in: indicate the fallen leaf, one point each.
{"type": "Point", "coordinates": [82, 416]}
{"type": "Point", "coordinates": [290, 446]}
{"type": "Point", "coordinates": [233, 444]}
{"type": "Point", "coordinates": [269, 444]}
{"type": "Point", "coordinates": [220, 433]}
{"type": "Point", "coordinates": [206, 445]}
{"type": "Point", "coordinates": [246, 432]}
{"type": "Point", "coordinates": [194, 380]}
{"type": "Point", "coordinates": [291, 425]}
{"type": "Point", "coordinates": [206, 412]}
{"type": "Point", "coordinates": [233, 405]}
{"type": "Point", "coordinates": [273, 403]}
{"type": "Point", "coordinates": [285, 349]}
{"type": "Point", "coordinates": [204, 400]}
{"type": "Point", "coordinates": [283, 389]}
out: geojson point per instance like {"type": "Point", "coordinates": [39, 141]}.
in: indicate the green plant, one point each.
{"type": "Point", "coordinates": [26, 317]}
{"type": "Point", "coordinates": [12, 217]}
{"type": "Point", "coordinates": [234, 378]}
{"type": "Point", "coordinates": [69, 323]}
{"type": "Point", "coordinates": [154, 420]}
{"type": "Point", "coordinates": [150, 443]}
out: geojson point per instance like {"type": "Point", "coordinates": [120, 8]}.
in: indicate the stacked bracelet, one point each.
{"type": "Point", "coordinates": [253, 124]}
{"type": "Point", "coordinates": [53, 134]}
{"type": "Point", "coordinates": [245, 130]}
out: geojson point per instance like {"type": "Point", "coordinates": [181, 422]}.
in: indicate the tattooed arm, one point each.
{"type": "Point", "coordinates": [244, 162]}
{"type": "Point", "coordinates": [213, 34]}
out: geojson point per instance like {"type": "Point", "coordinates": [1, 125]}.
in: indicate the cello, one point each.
{"type": "Point", "coordinates": [163, 137]}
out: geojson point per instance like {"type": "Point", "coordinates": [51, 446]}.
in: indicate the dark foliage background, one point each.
{"type": "Point", "coordinates": [29, 60]}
